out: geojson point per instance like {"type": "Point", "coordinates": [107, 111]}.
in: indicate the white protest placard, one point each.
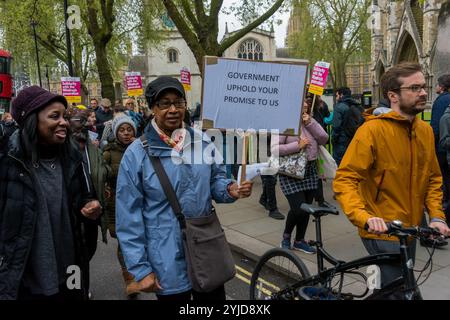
{"type": "Point", "coordinates": [245, 94]}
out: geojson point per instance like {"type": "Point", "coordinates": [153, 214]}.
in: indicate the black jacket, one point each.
{"type": "Point", "coordinates": [18, 203]}
{"type": "Point", "coordinates": [320, 113]}
{"type": "Point", "coordinates": [6, 130]}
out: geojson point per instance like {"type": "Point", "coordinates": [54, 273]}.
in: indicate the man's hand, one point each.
{"type": "Point", "coordinates": [150, 283]}
{"type": "Point", "coordinates": [442, 227]}
{"type": "Point", "coordinates": [92, 210]}
{"type": "Point", "coordinates": [377, 225]}
{"type": "Point", "coordinates": [242, 191]}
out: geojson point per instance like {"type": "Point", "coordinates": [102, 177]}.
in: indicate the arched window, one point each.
{"type": "Point", "coordinates": [250, 49]}
{"type": "Point", "coordinates": [172, 55]}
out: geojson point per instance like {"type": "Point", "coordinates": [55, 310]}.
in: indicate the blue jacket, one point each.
{"type": "Point", "coordinates": [339, 112]}
{"type": "Point", "coordinates": [440, 104]}
{"type": "Point", "coordinates": [147, 228]}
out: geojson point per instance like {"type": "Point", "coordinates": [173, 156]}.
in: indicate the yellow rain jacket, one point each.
{"type": "Point", "coordinates": [390, 171]}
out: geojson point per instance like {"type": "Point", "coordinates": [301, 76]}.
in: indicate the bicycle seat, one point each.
{"type": "Point", "coordinates": [318, 211]}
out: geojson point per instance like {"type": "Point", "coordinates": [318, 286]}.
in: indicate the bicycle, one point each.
{"type": "Point", "coordinates": [272, 280]}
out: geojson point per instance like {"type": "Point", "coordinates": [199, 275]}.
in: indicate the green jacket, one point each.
{"type": "Point", "coordinates": [99, 171]}
{"type": "Point", "coordinates": [112, 154]}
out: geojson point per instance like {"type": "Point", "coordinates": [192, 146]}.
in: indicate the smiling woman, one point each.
{"type": "Point", "coordinates": [52, 126]}
{"type": "Point", "coordinates": [47, 205]}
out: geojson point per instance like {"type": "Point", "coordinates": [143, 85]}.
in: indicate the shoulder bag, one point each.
{"type": "Point", "coordinates": [292, 165]}
{"type": "Point", "coordinates": [208, 256]}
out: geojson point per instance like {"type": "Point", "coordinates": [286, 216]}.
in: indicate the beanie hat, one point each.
{"type": "Point", "coordinates": [32, 99]}
{"type": "Point", "coordinates": [154, 88]}
{"type": "Point", "coordinates": [120, 120]}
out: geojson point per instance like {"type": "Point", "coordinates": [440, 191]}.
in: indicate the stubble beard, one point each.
{"type": "Point", "coordinates": [412, 109]}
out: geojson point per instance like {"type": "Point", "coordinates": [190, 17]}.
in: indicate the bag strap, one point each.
{"type": "Point", "coordinates": [165, 183]}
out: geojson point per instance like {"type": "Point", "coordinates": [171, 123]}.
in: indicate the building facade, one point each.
{"type": "Point", "coordinates": [173, 54]}
{"type": "Point", "coordinates": [407, 31]}
{"type": "Point", "coordinates": [358, 77]}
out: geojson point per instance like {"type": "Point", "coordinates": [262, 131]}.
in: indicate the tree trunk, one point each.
{"type": "Point", "coordinates": [104, 72]}
{"type": "Point", "coordinates": [339, 72]}
{"type": "Point", "coordinates": [101, 34]}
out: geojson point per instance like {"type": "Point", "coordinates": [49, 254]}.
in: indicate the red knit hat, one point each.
{"type": "Point", "coordinates": [32, 99]}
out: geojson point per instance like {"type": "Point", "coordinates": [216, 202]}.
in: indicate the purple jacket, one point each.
{"type": "Point", "coordinates": [289, 144]}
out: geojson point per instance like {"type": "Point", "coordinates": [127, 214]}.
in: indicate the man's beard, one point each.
{"type": "Point", "coordinates": [412, 110]}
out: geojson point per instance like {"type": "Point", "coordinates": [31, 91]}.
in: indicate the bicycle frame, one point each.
{"type": "Point", "coordinates": [388, 258]}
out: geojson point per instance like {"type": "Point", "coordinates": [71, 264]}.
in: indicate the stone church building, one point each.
{"type": "Point", "coordinates": [410, 30]}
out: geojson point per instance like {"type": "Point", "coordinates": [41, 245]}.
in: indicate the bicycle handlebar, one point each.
{"type": "Point", "coordinates": [396, 228]}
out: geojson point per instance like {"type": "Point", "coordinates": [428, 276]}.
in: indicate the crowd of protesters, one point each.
{"type": "Point", "coordinates": [68, 171]}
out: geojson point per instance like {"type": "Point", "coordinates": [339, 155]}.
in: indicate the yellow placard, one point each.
{"type": "Point", "coordinates": [315, 89]}
{"type": "Point", "coordinates": [187, 87]}
{"type": "Point", "coordinates": [135, 92]}
{"type": "Point", "coordinates": [73, 99]}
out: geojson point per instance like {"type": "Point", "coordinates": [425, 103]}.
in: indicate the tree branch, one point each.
{"type": "Point", "coordinates": [216, 5]}
{"type": "Point", "coordinates": [200, 10]}
{"type": "Point", "coordinates": [123, 33]}
{"type": "Point", "coordinates": [52, 49]}
{"type": "Point", "coordinates": [238, 35]}
{"type": "Point", "coordinates": [183, 28]}
{"type": "Point", "coordinates": [93, 27]}
{"type": "Point", "coordinates": [190, 15]}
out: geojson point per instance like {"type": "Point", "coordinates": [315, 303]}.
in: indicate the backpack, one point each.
{"type": "Point", "coordinates": [353, 119]}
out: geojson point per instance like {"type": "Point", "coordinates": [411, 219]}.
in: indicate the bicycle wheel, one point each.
{"type": "Point", "coordinates": [275, 274]}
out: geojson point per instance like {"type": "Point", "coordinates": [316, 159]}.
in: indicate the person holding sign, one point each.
{"type": "Point", "coordinates": [147, 228]}
{"type": "Point", "coordinates": [300, 191]}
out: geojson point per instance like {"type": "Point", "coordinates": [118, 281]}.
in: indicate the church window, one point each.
{"type": "Point", "coordinates": [172, 55]}
{"type": "Point", "coordinates": [250, 49]}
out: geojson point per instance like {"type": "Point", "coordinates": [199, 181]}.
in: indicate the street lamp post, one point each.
{"type": "Point", "coordinates": [34, 24]}
{"type": "Point", "coordinates": [68, 42]}
{"type": "Point", "coordinates": [47, 75]}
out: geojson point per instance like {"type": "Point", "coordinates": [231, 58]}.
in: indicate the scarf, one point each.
{"type": "Point", "coordinates": [177, 139]}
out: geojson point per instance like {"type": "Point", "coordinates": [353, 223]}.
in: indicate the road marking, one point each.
{"type": "Point", "coordinates": [267, 283]}
{"type": "Point", "coordinates": [247, 281]}
{"type": "Point", "coordinates": [243, 271]}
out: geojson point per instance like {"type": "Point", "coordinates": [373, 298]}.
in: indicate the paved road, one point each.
{"type": "Point", "coordinates": [107, 283]}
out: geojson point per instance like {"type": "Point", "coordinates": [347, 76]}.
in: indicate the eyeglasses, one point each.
{"type": "Point", "coordinates": [166, 104]}
{"type": "Point", "coordinates": [414, 88]}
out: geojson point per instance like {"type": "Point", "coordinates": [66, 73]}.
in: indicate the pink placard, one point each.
{"type": "Point", "coordinates": [185, 76]}
{"type": "Point", "coordinates": [70, 86]}
{"type": "Point", "coordinates": [319, 74]}
{"type": "Point", "coordinates": [134, 82]}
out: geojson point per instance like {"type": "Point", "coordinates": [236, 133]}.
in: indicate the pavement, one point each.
{"type": "Point", "coordinates": [251, 232]}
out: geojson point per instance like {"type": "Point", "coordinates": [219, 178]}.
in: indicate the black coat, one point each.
{"type": "Point", "coordinates": [18, 203]}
